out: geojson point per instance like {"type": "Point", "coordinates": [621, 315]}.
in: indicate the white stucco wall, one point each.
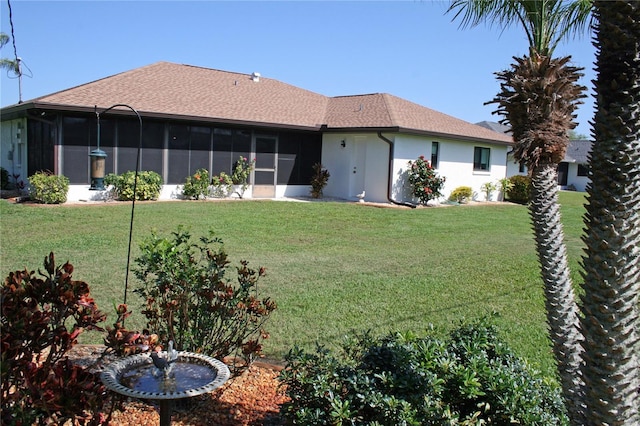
{"type": "Point", "coordinates": [368, 151]}
{"type": "Point", "coordinates": [361, 165]}
{"type": "Point", "coordinates": [513, 168]}
{"type": "Point", "coordinates": [579, 182]}
{"type": "Point", "coordinates": [455, 162]}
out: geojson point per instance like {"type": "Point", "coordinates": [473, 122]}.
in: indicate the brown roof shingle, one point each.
{"type": "Point", "coordinates": [182, 90]}
{"type": "Point", "coordinates": [167, 89]}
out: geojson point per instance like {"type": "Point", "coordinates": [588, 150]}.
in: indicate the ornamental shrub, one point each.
{"type": "Point", "coordinates": [520, 189]}
{"type": "Point", "coordinates": [4, 178]}
{"type": "Point", "coordinates": [189, 299]}
{"type": "Point", "coordinates": [197, 185]}
{"type": "Point", "coordinates": [319, 180]}
{"type": "Point", "coordinates": [425, 183]}
{"type": "Point", "coordinates": [461, 194]}
{"type": "Point", "coordinates": [469, 378]}
{"type": "Point", "coordinates": [241, 172]}
{"type": "Point", "coordinates": [488, 188]}
{"type": "Point", "coordinates": [148, 186]}
{"type": "Point", "coordinates": [221, 185]}
{"type": "Point", "coordinates": [47, 188]}
{"type": "Point", "coordinates": [504, 186]}
{"type": "Point", "coordinates": [42, 316]}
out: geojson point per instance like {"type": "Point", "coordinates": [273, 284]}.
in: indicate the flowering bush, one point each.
{"type": "Point", "coordinates": [197, 185]}
{"type": "Point", "coordinates": [221, 185]}
{"type": "Point", "coordinates": [425, 183]}
{"type": "Point", "coordinates": [241, 172]}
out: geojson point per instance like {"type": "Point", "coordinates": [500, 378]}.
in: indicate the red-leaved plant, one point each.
{"type": "Point", "coordinates": [38, 381]}
{"type": "Point", "coordinates": [122, 342]}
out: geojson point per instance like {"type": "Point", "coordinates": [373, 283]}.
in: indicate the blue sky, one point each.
{"type": "Point", "coordinates": [410, 49]}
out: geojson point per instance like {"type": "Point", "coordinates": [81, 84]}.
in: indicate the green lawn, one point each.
{"type": "Point", "coordinates": [332, 267]}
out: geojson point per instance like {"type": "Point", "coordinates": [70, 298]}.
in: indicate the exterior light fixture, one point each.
{"type": "Point", "coordinates": [343, 143]}
{"type": "Point", "coordinates": [98, 155]}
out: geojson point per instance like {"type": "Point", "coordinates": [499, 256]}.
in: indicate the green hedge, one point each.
{"type": "Point", "coordinates": [48, 188]}
{"type": "Point", "coordinates": [148, 186]}
{"type": "Point", "coordinates": [520, 189]}
{"type": "Point", "coordinates": [471, 377]}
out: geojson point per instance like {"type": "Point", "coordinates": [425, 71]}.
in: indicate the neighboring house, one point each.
{"type": "Point", "coordinates": [196, 117]}
{"type": "Point", "coordinates": [513, 167]}
{"type": "Point", "coordinates": [573, 171]}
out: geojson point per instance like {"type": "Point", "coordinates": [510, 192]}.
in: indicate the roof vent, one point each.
{"type": "Point", "coordinates": [255, 77]}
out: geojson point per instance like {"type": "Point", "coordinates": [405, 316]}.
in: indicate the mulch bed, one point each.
{"type": "Point", "coordinates": [253, 398]}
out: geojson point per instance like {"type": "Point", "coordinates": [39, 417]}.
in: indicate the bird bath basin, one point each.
{"type": "Point", "coordinates": [190, 374]}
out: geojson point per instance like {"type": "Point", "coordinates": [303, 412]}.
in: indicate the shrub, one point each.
{"type": "Point", "coordinates": [148, 186]}
{"type": "Point", "coordinates": [471, 377]}
{"type": "Point", "coordinates": [189, 300]}
{"type": "Point", "coordinates": [319, 180]}
{"type": "Point", "coordinates": [504, 186]}
{"type": "Point", "coordinates": [425, 183]}
{"type": "Point", "coordinates": [241, 172]}
{"type": "Point", "coordinates": [488, 188]}
{"type": "Point", "coordinates": [461, 194]}
{"type": "Point", "coordinates": [48, 188]}
{"type": "Point", "coordinates": [4, 178]}
{"type": "Point", "coordinates": [38, 382]}
{"type": "Point", "coordinates": [520, 190]}
{"type": "Point", "coordinates": [221, 185]}
{"type": "Point", "coordinates": [197, 185]}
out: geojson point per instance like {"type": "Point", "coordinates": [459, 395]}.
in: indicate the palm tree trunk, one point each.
{"type": "Point", "coordinates": [560, 301]}
{"type": "Point", "coordinates": [611, 319]}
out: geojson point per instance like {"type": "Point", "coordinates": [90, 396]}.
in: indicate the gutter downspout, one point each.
{"type": "Point", "coordinates": [390, 177]}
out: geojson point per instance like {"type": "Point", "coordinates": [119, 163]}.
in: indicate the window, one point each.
{"type": "Point", "coordinates": [435, 153]}
{"type": "Point", "coordinates": [481, 158]}
{"type": "Point", "coordinates": [583, 170]}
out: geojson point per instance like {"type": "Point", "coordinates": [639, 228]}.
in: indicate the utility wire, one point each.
{"type": "Point", "coordinates": [18, 62]}
{"type": "Point", "coordinates": [13, 36]}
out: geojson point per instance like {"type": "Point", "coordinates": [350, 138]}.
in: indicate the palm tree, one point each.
{"type": "Point", "coordinates": [538, 98]}
{"type": "Point", "coordinates": [8, 64]}
{"type": "Point", "coordinates": [610, 317]}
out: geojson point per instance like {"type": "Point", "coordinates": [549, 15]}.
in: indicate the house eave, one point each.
{"type": "Point", "coordinates": [21, 110]}
{"type": "Point", "coordinates": [414, 132]}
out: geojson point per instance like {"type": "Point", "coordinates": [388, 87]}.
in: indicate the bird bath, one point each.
{"type": "Point", "coordinates": [185, 375]}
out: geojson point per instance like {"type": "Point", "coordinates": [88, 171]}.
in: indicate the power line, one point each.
{"type": "Point", "coordinates": [13, 36]}
{"type": "Point", "coordinates": [18, 60]}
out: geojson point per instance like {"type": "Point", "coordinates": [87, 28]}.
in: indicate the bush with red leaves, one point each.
{"type": "Point", "coordinates": [38, 382]}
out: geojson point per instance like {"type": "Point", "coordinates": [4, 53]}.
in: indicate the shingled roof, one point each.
{"type": "Point", "coordinates": [168, 90]}
{"type": "Point", "coordinates": [578, 151]}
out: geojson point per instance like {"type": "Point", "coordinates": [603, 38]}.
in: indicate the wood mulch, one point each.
{"type": "Point", "coordinates": [253, 398]}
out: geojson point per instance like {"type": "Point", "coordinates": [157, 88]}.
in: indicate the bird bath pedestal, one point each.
{"type": "Point", "coordinates": [191, 374]}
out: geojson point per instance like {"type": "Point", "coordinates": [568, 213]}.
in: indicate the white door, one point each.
{"type": "Point", "coordinates": [358, 167]}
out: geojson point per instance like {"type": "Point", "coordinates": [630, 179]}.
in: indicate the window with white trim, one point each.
{"type": "Point", "coordinates": [435, 153]}
{"type": "Point", "coordinates": [481, 159]}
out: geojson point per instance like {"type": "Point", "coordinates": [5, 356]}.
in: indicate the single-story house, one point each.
{"type": "Point", "coordinates": [573, 171]}
{"type": "Point", "coordinates": [196, 117]}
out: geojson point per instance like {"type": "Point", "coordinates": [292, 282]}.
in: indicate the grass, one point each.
{"type": "Point", "coordinates": [332, 267]}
